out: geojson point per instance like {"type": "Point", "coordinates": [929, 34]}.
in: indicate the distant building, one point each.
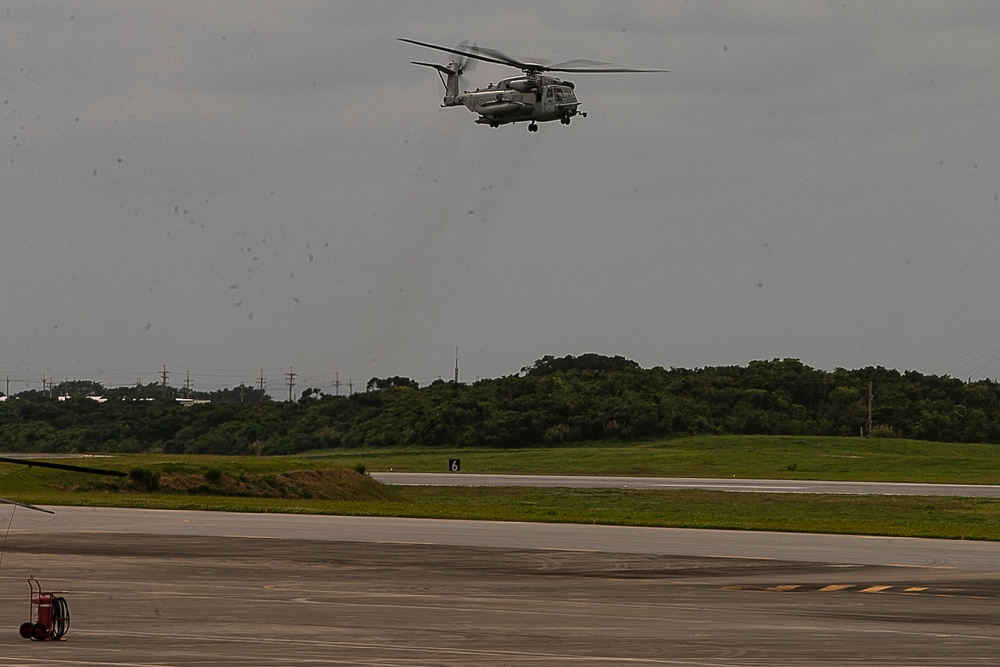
{"type": "Point", "coordinates": [192, 401]}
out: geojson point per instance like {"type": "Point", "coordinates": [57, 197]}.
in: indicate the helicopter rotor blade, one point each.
{"type": "Point", "coordinates": [62, 466]}
{"type": "Point", "coordinates": [499, 57]}
{"type": "Point", "coordinates": [464, 54]}
{"type": "Point", "coordinates": [503, 58]}
{"type": "Point", "coordinates": [584, 65]}
{"type": "Point", "coordinates": [605, 70]}
{"type": "Point", "coordinates": [8, 501]}
{"type": "Point", "coordinates": [478, 54]}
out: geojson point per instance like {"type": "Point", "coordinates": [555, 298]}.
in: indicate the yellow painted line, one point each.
{"type": "Point", "coordinates": [836, 587]}
{"type": "Point", "coordinates": [875, 589]}
{"type": "Point", "coordinates": [785, 587]}
{"type": "Point", "coordinates": [915, 589]}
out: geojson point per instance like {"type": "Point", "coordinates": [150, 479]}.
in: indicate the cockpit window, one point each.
{"type": "Point", "coordinates": [560, 93]}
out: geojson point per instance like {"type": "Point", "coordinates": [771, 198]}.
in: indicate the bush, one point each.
{"type": "Point", "coordinates": [148, 479]}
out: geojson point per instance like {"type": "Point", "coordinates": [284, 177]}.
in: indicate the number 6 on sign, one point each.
{"type": "Point", "coordinates": [454, 465]}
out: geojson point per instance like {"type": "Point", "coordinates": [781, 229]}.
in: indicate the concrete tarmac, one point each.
{"type": "Point", "coordinates": [191, 589]}
{"type": "Point", "coordinates": [704, 483]}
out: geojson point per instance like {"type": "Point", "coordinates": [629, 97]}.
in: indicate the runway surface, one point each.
{"type": "Point", "coordinates": [190, 588]}
{"type": "Point", "coordinates": [665, 483]}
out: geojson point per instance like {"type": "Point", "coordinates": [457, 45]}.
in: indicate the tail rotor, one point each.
{"type": "Point", "coordinates": [451, 74]}
{"type": "Point", "coordinates": [466, 63]}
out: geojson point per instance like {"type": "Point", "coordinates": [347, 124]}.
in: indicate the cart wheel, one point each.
{"type": "Point", "coordinates": [25, 630]}
{"type": "Point", "coordinates": [38, 631]}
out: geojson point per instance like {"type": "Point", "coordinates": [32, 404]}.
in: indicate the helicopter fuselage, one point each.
{"type": "Point", "coordinates": [519, 99]}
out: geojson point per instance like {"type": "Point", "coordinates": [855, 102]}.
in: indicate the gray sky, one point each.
{"type": "Point", "coordinates": [230, 187]}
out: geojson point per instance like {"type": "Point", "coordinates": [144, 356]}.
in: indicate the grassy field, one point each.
{"type": "Point", "coordinates": [229, 484]}
{"type": "Point", "coordinates": [759, 457]}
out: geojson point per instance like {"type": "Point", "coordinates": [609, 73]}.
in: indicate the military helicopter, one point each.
{"type": "Point", "coordinates": [533, 97]}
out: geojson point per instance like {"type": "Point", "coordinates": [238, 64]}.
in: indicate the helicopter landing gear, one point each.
{"type": "Point", "coordinates": [564, 120]}
{"type": "Point", "coordinates": [494, 122]}
{"type": "Point", "coordinates": [533, 127]}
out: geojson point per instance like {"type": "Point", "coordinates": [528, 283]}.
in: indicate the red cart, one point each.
{"type": "Point", "coordinates": [48, 614]}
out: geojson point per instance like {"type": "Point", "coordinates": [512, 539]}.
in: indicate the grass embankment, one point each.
{"type": "Point", "coordinates": [324, 483]}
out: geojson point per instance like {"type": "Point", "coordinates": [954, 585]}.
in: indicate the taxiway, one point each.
{"type": "Point", "coordinates": [156, 588]}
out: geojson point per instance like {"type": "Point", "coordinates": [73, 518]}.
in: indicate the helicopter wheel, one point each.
{"type": "Point", "coordinates": [532, 128]}
{"type": "Point", "coordinates": [564, 120]}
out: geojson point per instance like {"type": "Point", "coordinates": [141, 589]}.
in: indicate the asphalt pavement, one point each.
{"type": "Point", "coordinates": [155, 588]}
{"type": "Point", "coordinates": [714, 484]}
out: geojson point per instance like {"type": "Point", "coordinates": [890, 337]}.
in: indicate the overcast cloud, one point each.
{"type": "Point", "coordinates": [225, 188]}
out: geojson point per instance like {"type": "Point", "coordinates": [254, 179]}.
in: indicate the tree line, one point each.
{"type": "Point", "coordinates": [555, 400]}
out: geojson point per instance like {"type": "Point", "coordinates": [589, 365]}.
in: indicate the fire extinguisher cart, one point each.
{"type": "Point", "coordinates": [48, 614]}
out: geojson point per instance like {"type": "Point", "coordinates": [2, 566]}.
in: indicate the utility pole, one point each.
{"type": "Point", "coordinates": [869, 409]}
{"type": "Point", "coordinates": [187, 385]}
{"type": "Point", "coordinates": [165, 376]}
{"type": "Point", "coordinates": [260, 383]}
{"type": "Point", "coordinates": [291, 381]}
{"type": "Point", "coordinates": [336, 382]}
{"type": "Point", "coordinates": [456, 364]}
{"type": "Point", "coordinates": [350, 387]}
